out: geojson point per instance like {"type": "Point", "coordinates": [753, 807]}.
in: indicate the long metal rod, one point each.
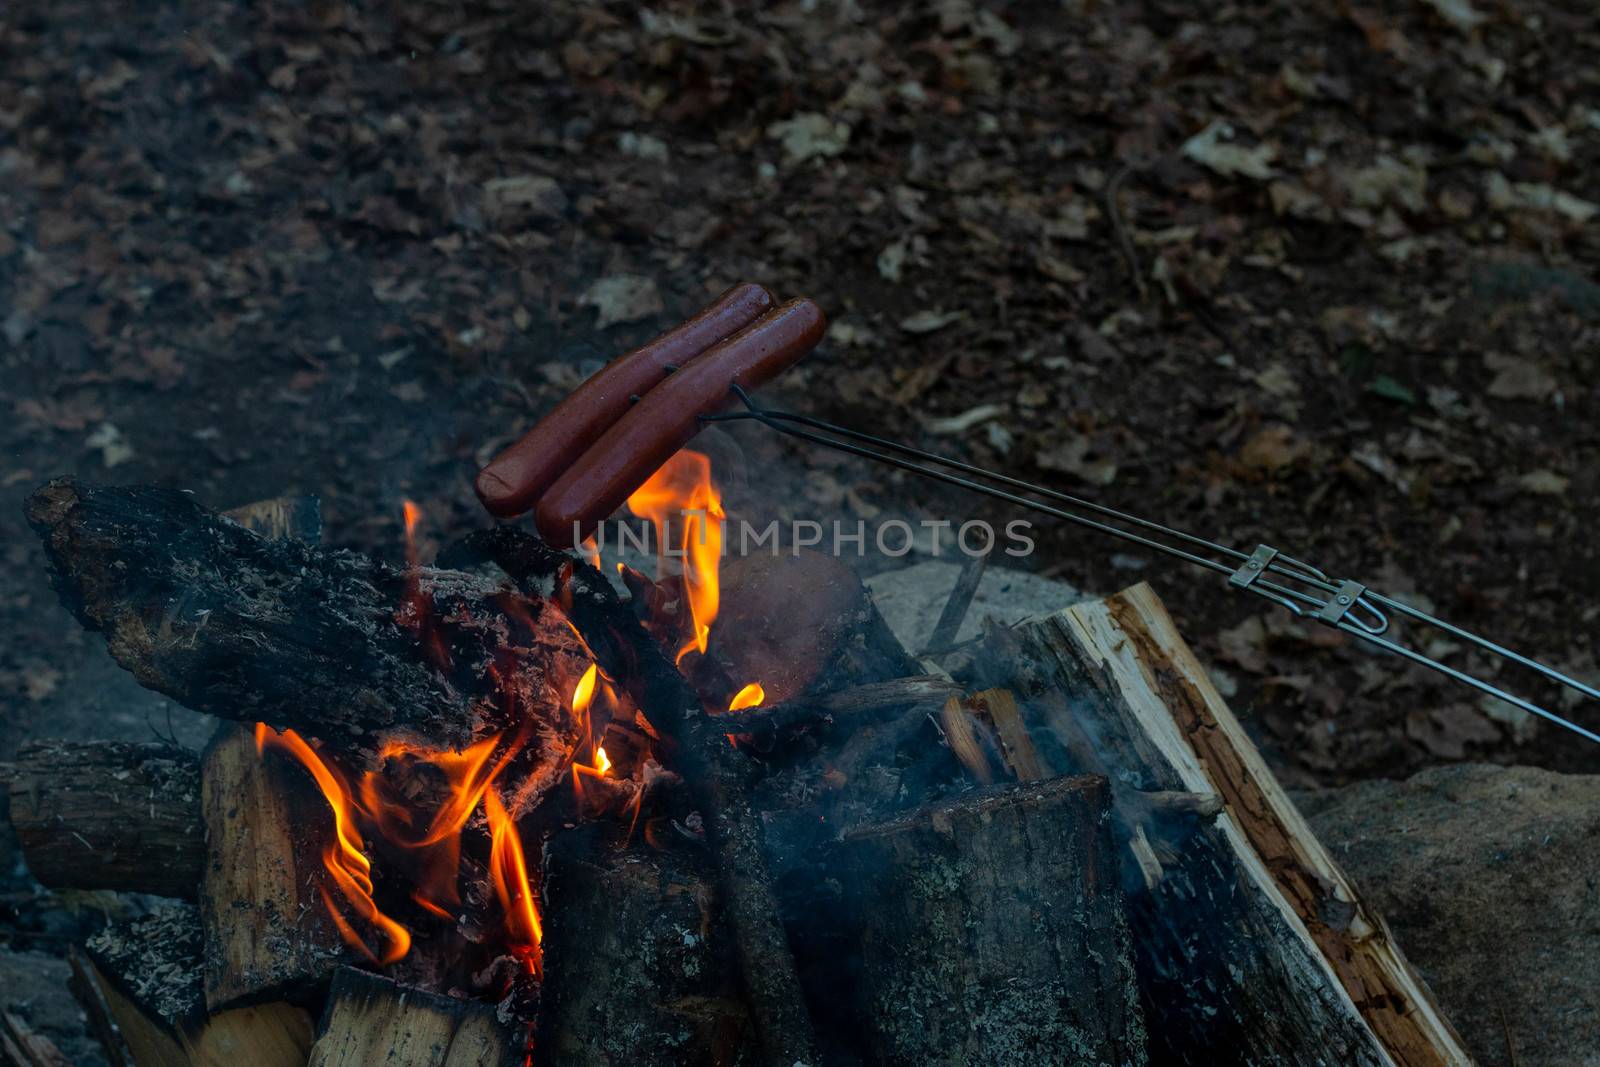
{"type": "Point", "coordinates": [1297, 586]}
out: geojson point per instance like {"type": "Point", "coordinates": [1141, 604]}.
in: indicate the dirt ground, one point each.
{"type": "Point", "coordinates": [1317, 276]}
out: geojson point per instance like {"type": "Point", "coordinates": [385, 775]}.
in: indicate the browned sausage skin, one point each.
{"type": "Point", "coordinates": [667, 416]}
{"type": "Point", "coordinates": [514, 480]}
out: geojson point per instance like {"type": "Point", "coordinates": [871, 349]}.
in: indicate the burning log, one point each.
{"type": "Point", "coordinates": [640, 967]}
{"type": "Point", "coordinates": [1251, 945]}
{"type": "Point", "coordinates": [268, 934]}
{"type": "Point", "coordinates": [148, 972]}
{"type": "Point", "coordinates": [108, 815]}
{"type": "Point", "coordinates": [371, 1019]}
{"type": "Point", "coordinates": [990, 930]}
{"type": "Point", "coordinates": [714, 769]}
{"type": "Point", "coordinates": [329, 643]}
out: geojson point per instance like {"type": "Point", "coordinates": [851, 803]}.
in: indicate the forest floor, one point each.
{"type": "Point", "coordinates": [1319, 276]}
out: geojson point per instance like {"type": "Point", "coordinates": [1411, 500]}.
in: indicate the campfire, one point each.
{"type": "Point", "coordinates": [520, 805]}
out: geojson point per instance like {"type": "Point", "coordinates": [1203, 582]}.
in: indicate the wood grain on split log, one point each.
{"type": "Point", "coordinates": [374, 1020]}
{"type": "Point", "coordinates": [1252, 946]}
{"type": "Point", "coordinates": [148, 971]}
{"type": "Point", "coordinates": [639, 965]}
{"type": "Point", "coordinates": [268, 933]}
{"type": "Point", "coordinates": [992, 931]}
{"type": "Point", "coordinates": [330, 643]}
{"type": "Point", "coordinates": [108, 815]}
{"type": "Point", "coordinates": [715, 770]}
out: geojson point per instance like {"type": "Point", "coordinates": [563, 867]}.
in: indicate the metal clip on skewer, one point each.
{"type": "Point", "coordinates": [1292, 584]}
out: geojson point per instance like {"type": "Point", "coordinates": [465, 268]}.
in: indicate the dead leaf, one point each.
{"type": "Point", "coordinates": [965, 421]}
{"type": "Point", "coordinates": [622, 298]}
{"type": "Point", "coordinates": [1537, 196]}
{"type": "Point", "coordinates": [1212, 148]}
{"type": "Point", "coordinates": [1459, 13]}
{"type": "Point", "coordinates": [1246, 645]}
{"type": "Point", "coordinates": [516, 201]}
{"type": "Point", "coordinates": [1518, 379]}
{"type": "Point", "coordinates": [1273, 449]}
{"type": "Point", "coordinates": [810, 135]}
{"type": "Point", "coordinates": [1447, 731]}
{"type": "Point", "coordinates": [114, 450]}
{"type": "Point", "coordinates": [929, 320]}
{"type": "Point", "coordinates": [1076, 456]}
{"type": "Point", "coordinates": [1543, 483]}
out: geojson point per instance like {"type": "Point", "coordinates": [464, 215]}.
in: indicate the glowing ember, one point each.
{"type": "Point", "coordinates": [750, 696]}
{"type": "Point", "coordinates": [686, 509]}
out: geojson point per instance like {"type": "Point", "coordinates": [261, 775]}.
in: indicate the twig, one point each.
{"type": "Point", "coordinates": [1113, 187]}
{"type": "Point", "coordinates": [857, 699]}
{"type": "Point", "coordinates": [955, 608]}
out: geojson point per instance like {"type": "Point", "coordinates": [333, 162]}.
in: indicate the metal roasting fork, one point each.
{"type": "Point", "coordinates": [1293, 584]}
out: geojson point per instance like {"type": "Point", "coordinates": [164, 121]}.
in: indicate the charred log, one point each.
{"type": "Point", "coordinates": [148, 972]}
{"type": "Point", "coordinates": [639, 966]}
{"type": "Point", "coordinates": [990, 930]}
{"type": "Point", "coordinates": [370, 1019]}
{"type": "Point", "coordinates": [109, 815]}
{"type": "Point", "coordinates": [718, 772]}
{"type": "Point", "coordinates": [329, 643]}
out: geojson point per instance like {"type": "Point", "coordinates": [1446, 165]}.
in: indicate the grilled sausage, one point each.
{"type": "Point", "coordinates": [513, 481]}
{"type": "Point", "coordinates": [667, 416]}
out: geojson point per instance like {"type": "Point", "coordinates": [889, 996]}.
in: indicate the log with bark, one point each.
{"type": "Point", "coordinates": [1252, 946]}
{"type": "Point", "coordinates": [329, 643]}
{"type": "Point", "coordinates": [148, 971]}
{"type": "Point", "coordinates": [108, 815]}
{"type": "Point", "coordinates": [990, 930]}
{"type": "Point", "coordinates": [639, 965]}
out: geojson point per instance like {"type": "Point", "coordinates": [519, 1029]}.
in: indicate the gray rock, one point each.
{"type": "Point", "coordinates": [1490, 878]}
{"type": "Point", "coordinates": [911, 598]}
{"type": "Point", "coordinates": [34, 987]}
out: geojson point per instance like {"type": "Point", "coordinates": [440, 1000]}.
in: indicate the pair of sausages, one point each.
{"type": "Point", "coordinates": [586, 457]}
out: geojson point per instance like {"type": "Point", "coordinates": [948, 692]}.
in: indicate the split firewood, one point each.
{"type": "Point", "coordinates": [716, 771]}
{"type": "Point", "coordinates": [329, 643]}
{"type": "Point", "coordinates": [268, 933]}
{"type": "Point", "coordinates": [148, 971]}
{"type": "Point", "coordinates": [376, 1020]}
{"type": "Point", "coordinates": [639, 966]}
{"type": "Point", "coordinates": [108, 815]}
{"type": "Point", "coordinates": [1251, 944]}
{"type": "Point", "coordinates": [990, 930]}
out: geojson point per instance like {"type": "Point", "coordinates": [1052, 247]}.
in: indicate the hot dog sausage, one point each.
{"type": "Point", "coordinates": [667, 416]}
{"type": "Point", "coordinates": [513, 481]}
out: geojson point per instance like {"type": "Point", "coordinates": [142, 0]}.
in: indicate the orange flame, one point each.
{"type": "Point", "coordinates": [591, 550]}
{"type": "Point", "coordinates": [750, 696]}
{"type": "Point", "coordinates": [412, 515]}
{"type": "Point", "coordinates": [345, 856]}
{"type": "Point", "coordinates": [681, 495]}
{"type": "Point", "coordinates": [508, 872]}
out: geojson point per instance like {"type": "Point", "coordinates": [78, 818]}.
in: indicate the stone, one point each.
{"type": "Point", "coordinates": [1490, 880]}
{"type": "Point", "coordinates": [911, 598]}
